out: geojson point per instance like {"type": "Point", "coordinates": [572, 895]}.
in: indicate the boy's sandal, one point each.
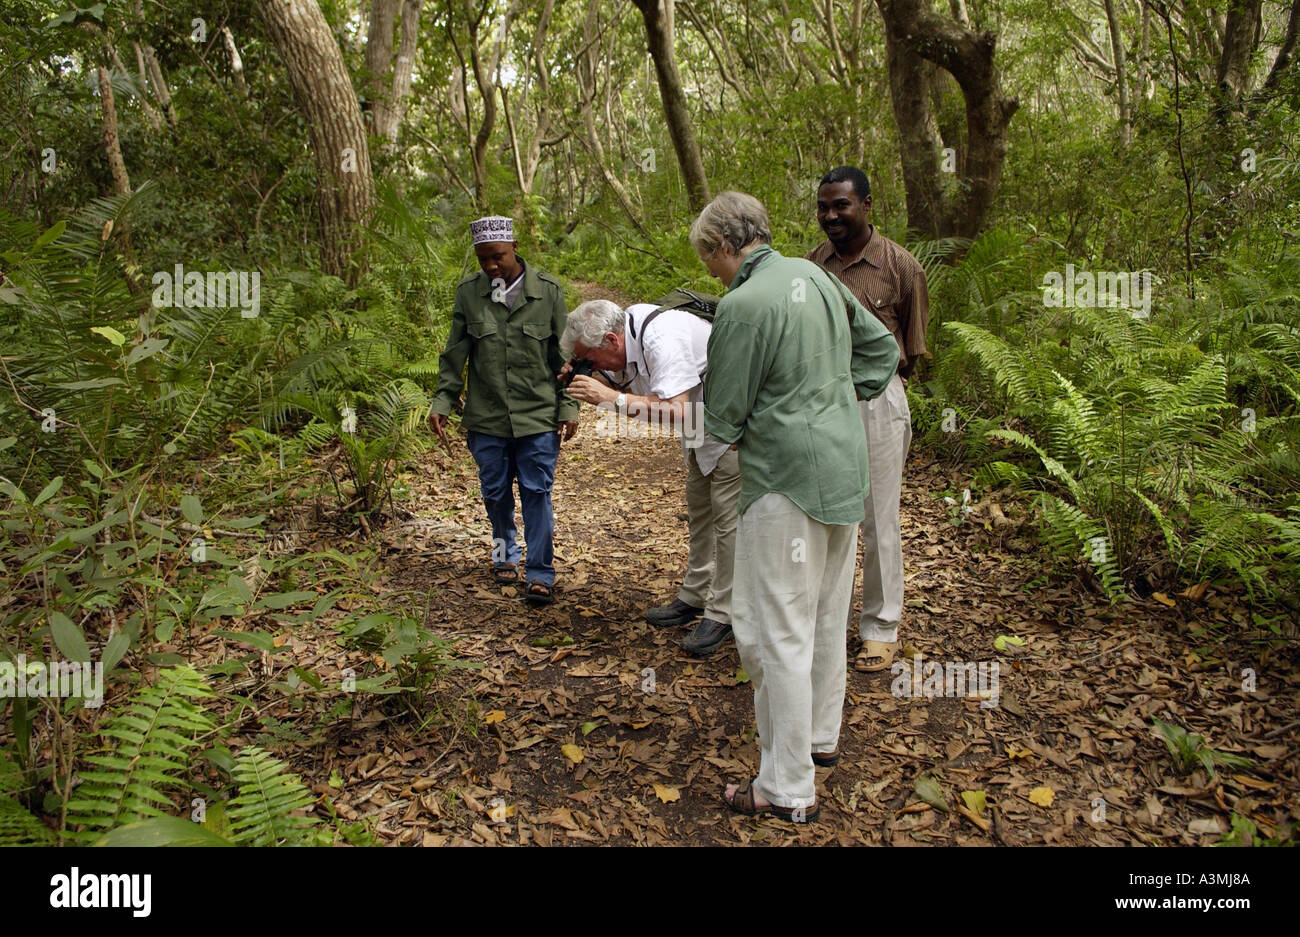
{"type": "Point", "coordinates": [505, 574]}
{"type": "Point", "coordinates": [743, 802]}
{"type": "Point", "coordinates": [826, 759]}
{"type": "Point", "coordinates": [539, 593]}
{"type": "Point", "coordinates": [875, 656]}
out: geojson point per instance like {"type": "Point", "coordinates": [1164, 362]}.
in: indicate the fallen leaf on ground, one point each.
{"type": "Point", "coordinates": [974, 800]}
{"type": "Point", "coordinates": [667, 794]}
{"type": "Point", "coordinates": [928, 790]}
{"type": "Point", "coordinates": [572, 752]}
{"type": "Point", "coordinates": [1043, 796]}
{"type": "Point", "coordinates": [496, 715]}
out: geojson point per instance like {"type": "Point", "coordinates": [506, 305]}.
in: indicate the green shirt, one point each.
{"type": "Point", "coordinates": [514, 355]}
{"type": "Point", "coordinates": [790, 352]}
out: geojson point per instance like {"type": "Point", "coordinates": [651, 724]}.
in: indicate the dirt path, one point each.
{"type": "Point", "coordinates": [1071, 730]}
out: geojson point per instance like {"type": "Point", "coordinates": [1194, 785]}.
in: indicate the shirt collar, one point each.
{"type": "Point", "coordinates": [755, 257]}
{"type": "Point", "coordinates": [531, 287]}
{"type": "Point", "coordinates": [873, 252]}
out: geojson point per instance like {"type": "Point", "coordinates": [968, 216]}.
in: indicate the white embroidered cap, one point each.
{"type": "Point", "coordinates": [492, 229]}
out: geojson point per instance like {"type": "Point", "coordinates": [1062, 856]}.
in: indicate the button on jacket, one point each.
{"type": "Point", "coordinates": [514, 355]}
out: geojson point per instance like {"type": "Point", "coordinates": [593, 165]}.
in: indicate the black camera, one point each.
{"type": "Point", "coordinates": [580, 366]}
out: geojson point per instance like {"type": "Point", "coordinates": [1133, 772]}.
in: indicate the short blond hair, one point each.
{"type": "Point", "coordinates": [733, 218]}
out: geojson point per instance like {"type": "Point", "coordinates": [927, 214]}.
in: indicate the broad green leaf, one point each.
{"type": "Point", "coordinates": [1002, 640]}
{"type": "Point", "coordinates": [115, 649]}
{"type": "Point", "coordinates": [49, 490]}
{"type": "Point", "coordinates": [147, 348]}
{"type": "Point", "coordinates": [278, 600]}
{"type": "Point", "coordinates": [161, 831]}
{"type": "Point", "coordinates": [68, 638]}
{"type": "Point", "coordinates": [192, 509]}
{"type": "Point", "coordinates": [52, 233]}
{"type": "Point", "coordinates": [258, 639]}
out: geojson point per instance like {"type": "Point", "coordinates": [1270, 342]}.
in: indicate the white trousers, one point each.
{"type": "Point", "coordinates": [888, 422]}
{"type": "Point", "coordinates": [792, 592]}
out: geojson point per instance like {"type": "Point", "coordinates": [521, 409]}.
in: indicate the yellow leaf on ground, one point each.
{"type": "Point", "coordinates": [1163, 599]}
{"type": "Point", "coordinates": [1043, 796]}
{"type": "Point", "coordinates": [496, 715]}
{"type": "Point", "coordinates": [1019, 753]}
{"type": "Point", "coordinates": [974, 800]}
{"type": "Point", "coordinates": [667, 794]}
{"type": "Point", "coordinates": [572, 752]}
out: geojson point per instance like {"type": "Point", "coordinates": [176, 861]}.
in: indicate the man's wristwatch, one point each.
{"type": "Point", "coordinates": [620, 403]}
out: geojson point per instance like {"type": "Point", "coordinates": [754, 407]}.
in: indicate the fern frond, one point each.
{"type": "Point", "coordinates": [154, 735]}
{"type": "Point", "coordinates": [262, 813]}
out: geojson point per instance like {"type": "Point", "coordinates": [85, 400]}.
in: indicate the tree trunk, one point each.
{"type": "Point", "coordinates": [150, 112]}
{"type": "Point", "coordinates": [155, 74]}
{"type": "Point", "coordinates": [379, 59]}
{"type": "Point", "coordinates": [968, 56]}
{"type": "Point", "coordinates": [1287, 49]}
{"type": "Point", "coordinates": [403, 66]}
{"type": "Point", "coordinates": [1121, 72]}
{"type": "Point", "coordinates": [236, 63]}
{"type": "Point", "coordinates": [658, 17]}
{"type": "Point", "coordinates": [323, 90]}
{"type": "Point", "coordinates": [919, 143]}
{"type": "Point", "coordinates": [116, 165]}
{"type": "Point", "coordinates": [1240, 34]}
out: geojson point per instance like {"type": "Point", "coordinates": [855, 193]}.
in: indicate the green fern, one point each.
{"type": "Point", "coordinates": [154, 736]}
{"type": "Point", "coordinates": [263, 812]}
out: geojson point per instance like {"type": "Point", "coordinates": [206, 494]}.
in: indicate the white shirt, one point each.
{"type": "Point", "coordinates": [668, 360]}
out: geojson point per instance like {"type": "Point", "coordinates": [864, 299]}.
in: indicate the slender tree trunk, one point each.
{"type": "Point", "coordinates": [658, 17]}
{"type": "Point", "coordinates": [1121, 72]}
{"type": "Point", "coordinates": [379, 59]}
{"type": "Point", "coordinates": [116, 165]}
{"type": "Point", "coordinates": [323, 90]}
{"type": "Point", "coordinates": [154, 70]}
{"type": "Point", "coordinates": [403, 66]}
{"type": "Point", "coordinates": [236, 63]}
{"type": "Point", "coordinates": [150, 112]}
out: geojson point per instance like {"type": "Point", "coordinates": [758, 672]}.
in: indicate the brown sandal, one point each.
{"type": "Point", "coordinates": [506, 574]}
{"type": "Point", "coordinates": [539, 593]}
{"type": "Point", "coordinates": [743, 802]}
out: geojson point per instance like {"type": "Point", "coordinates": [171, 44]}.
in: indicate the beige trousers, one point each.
{"type": "Point", "coordinates": [711, 503]}
{"type": "Point", "coordinates": [888, 422]}
{"type": "Point", "coordinates": [794, 585]}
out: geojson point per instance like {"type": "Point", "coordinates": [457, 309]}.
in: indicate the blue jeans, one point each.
{"type": "Point", "coordinates": [531, 460]}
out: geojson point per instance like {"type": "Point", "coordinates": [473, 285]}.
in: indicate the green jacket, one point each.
{"type": "Point", "coordinates": [790, 354]}
{"type": "Point", "coordinates": [514, 355]}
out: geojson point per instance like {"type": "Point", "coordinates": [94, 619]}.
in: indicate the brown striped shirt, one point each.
{"type": "Point", "coordinates": [891, 283]}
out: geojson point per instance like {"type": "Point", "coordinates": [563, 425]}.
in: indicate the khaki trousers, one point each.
{"type": "Point", "coordinates": [888, 422]}
{"type": "Point", "coordinates": [711, 503]}
{"type": "Point", "coordinates": [794, 585]}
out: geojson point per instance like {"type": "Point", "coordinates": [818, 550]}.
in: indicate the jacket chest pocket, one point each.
{"type": "Point", "coordinates": [481, 326]}
{"type": "Point", "coordinates": [538, 330]}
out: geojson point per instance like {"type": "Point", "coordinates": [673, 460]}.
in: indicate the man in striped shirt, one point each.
{"type": "Point", "coordinates": [890, 282]}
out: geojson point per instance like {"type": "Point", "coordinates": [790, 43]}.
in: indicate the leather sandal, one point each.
{"type": "Point", "coordinates": [539, 593]}
{"type": "Point", "coordinates": [743, 802]}
{"type": "Point", "coordinates": [826, 759]}
{"type": "Point", "coordinates": [875, 656]}
{"type": "Point", "coordinates": [506, 574]}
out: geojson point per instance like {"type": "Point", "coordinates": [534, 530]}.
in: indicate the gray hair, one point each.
{"type": "Point", "coordinates": [588, 324]}
{"type": "Point", "coordinates": [733, 218]}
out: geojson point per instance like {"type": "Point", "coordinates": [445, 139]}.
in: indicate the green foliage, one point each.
{"type": "Point", "coordinates": [154, 736]}
{"type": "Point", "coordinates": [263, 812]}
{"type": "Point", "coordinates": [1190, 752]}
